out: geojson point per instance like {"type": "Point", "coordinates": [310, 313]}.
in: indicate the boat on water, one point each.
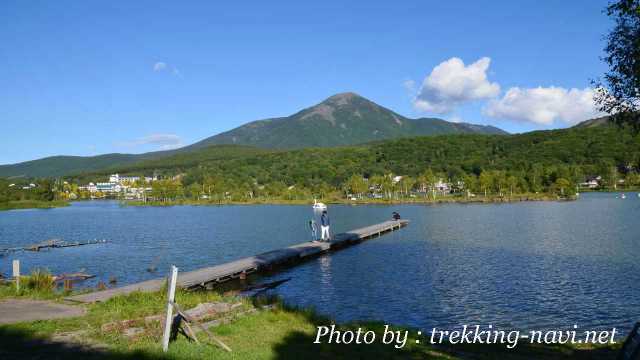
{"type": "Point", "coordinates": [623, 196]}
{"type": "Point", "coordinates": [318, 205]}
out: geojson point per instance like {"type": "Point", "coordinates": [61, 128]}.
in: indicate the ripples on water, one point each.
{"type": "Point", "coordinates": [524, 265]}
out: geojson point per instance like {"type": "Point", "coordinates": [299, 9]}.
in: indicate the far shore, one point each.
{"type": "Point", "coordinates": [32, 204]}
{"type": "Point", "coordinates": [446, 199]}
{"type": "Point", "coordinates": [366, 201]}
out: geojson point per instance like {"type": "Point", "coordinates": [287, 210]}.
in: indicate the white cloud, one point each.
{"type": "Point", "coordinates": [163, 141]}
{"type": "Point", "coordinates": [163, 66]}
{"type": "Point", "coordinates": [451, 83]}
{"type": "Point", "coordinates": [159, 66]}
{"type": "Point", "coordinates": [176, 72]}
{"type": "Point", "coordinates": [456, 119]}
{"type": "Point", "coordinates": [410, 86]}
{"type": "Point", "coordinates": [544, 106]}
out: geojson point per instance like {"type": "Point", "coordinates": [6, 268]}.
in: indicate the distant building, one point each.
{"type": "Point", "coordinates": [129, 179]}
{"type": "Point", "coordinates": [90, 188]}
{"type": "Point", "coordinates": [592, 182]}
{"type": "Point", "coordinates": [442, 186]}
{"type": "Point", "coordinates": [117, 179]}
{"type": "Point", "coordinates": [108, 187]}
{"type": "Point", "coordinates": [119, 185]}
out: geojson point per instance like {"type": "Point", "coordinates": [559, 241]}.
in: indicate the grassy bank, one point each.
{"type": "Point", "coordinates": [366, 201]}
{"type": "Point", "coordinates": [32, 204]}
{"type": "Point", "coordinates": [277, 332]}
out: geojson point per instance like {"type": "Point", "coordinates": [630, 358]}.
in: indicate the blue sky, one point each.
{"type": "Point", "coordinates": [85, 78]}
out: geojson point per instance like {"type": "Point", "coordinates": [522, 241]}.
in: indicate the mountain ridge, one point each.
{"type": "Point", "coordinates": [339, 120]}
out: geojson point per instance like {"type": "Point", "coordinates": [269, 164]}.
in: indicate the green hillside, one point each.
{"type": "Point", "coordinates": [342, 119]}
{"type": "Point", "coordinates": [530, 162]}
{"type": "Point", "coordinates": [62, 165]}
{"type": "Point", "coordinates": [601, 121]}
{"type": "Point", "coordinates": [55, 166]}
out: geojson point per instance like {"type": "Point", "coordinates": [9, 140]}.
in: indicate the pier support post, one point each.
{"type": "Point", "coordinates": [171, 293]}
{"type": "Point", "coordinates": [16, 273]}
{"type": "Point", "coordinates": [67, 285]}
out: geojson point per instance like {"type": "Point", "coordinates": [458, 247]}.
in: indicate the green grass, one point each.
{"type": "Point", "coordinates": [32, 204]}
{"type": "Point", "coordinates": [7, 292]}
{"type": "Point", "coordinates": [281, 333]}
{"type": "Point", "coordinates": [39, 280]}
{"type": "Point", "coordinates": [39, 285]}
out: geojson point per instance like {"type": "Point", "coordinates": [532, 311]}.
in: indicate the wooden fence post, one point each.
{"type": "Point", "coordinates": [173, 277]}
{"type": "Point", "coordinates": [68, 285]}
{"type": "Point", "coordinates": [16, 273]}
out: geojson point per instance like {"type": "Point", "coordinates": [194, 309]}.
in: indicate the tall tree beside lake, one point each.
{"type": "Point", "coordinates": [620, 96]}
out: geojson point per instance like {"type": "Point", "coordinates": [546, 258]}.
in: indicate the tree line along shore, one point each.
{"type": "Point", "coordinates": [540, 165]}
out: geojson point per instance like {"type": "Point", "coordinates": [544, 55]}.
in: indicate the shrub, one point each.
{"type": "Point", "coordinates": [40, 280]}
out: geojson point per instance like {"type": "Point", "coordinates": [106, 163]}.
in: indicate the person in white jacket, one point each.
{"type": "Point", "coordinates": [325, 223]}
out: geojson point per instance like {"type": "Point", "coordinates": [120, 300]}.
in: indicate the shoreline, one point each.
{"type": "Point", "coordinates": [32, 204]}
{"type": "Point", "coordinates": [131, 326]}
{"type": "Point", "coordinates": [452, 199]}
{"type": "Point", "coordinates": [401, 201]}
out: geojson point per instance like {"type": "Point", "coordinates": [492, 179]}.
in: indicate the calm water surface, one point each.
{"type": "Point", "coordinates": [525, 265]}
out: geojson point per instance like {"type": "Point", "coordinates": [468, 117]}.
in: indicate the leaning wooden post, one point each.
{"type": "Point", "coordinates": [173, 277]}
{"type": "Point", "coordinates": [16, 273]}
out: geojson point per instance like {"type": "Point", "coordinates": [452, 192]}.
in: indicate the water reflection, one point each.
{"type": "Point", "coordinates": [325, 269]}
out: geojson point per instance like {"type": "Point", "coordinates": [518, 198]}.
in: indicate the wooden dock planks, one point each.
{"type": "Point", "coordinates": [234, 269]}
{"type": "Point", "coordinates": [52, 244]}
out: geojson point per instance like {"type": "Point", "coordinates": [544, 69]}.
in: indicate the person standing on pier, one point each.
{"type": "Point", "coordinates": [325, 223]}
{"type": "Point", "coordinates": [314, 230]}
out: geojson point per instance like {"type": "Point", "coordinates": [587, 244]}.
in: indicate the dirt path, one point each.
{"type": "Point", "coordinates": [20, 310]}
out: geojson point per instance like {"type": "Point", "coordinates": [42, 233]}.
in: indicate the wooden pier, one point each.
{"type": "Point", "coordinates": [210, 276]}
{"type": "Point", "coordinates": [50, 244]}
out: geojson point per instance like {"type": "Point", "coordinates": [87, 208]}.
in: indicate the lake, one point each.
{"type": "Point", "coordinates": [529, 265]}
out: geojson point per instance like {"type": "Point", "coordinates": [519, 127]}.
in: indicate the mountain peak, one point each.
{"type": "Point", "coordinates": [341, 119]}
{"type": "Point", "coordinates": [345, 96]}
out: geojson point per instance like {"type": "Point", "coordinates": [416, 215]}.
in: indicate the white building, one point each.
{"type": "Point", "coordinates": [117, 179]}
{"type": "Point", "coordinates": [108, 187]}
{"type": "Point", "coordinates": [129, 179]}
{"type": "Point", "coordinates": [442, 186]}
{"type": "Point", "coordinates": [592, 182]}
{"type": "Point", "coordinates": [90, 188]}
